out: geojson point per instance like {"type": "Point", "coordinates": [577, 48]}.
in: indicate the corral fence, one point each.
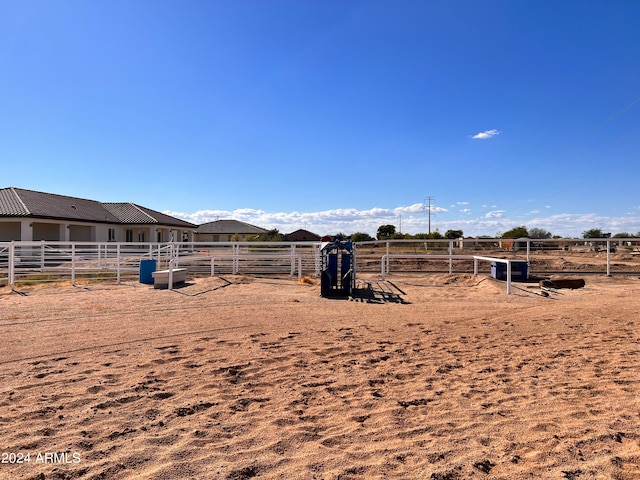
{"type": "Point", "coordinates": [40, 262]}
{"type": "Point", "coordinates": [606, 256]}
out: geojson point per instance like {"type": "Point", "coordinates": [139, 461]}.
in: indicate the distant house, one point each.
{"type": "Point", "coordinates": [27, 215]}
{"type": "Point", "coordinates": [226, 231]}
{"type": "Point", "coordinates": [514, 244]}
{"type": "Point", "coordinates": [302, 235]}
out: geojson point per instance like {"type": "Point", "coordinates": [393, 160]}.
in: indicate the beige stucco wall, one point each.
{"type": "Point", "coordinates": [27, 229]}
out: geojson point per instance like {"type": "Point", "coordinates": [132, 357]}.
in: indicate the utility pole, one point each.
{"type": "Point", "coordinates": [429, 199]}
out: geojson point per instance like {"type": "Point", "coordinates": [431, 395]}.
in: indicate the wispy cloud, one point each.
{"type": "Point", "coordinates": [415, 208]}
{"type": "Point", "coordinates": [495, 214]}
{"type": "Point", "coordinates": [486, 134]}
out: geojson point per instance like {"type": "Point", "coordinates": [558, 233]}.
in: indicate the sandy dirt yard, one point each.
{"type": "Point", "coordinates": [421, 377]}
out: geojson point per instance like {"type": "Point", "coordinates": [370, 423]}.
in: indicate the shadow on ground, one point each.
{"type": "Point", "coordinates": [378, 291]}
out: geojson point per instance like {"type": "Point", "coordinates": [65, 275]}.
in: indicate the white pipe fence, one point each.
{"type": "Point", "coordinates": [415, 250]}
{"type": "Point", "coordinates": [475, 258]}
{"type": "Point", "coordinates": [496, 260]}
{"type": "Point", "coordinates": [43, 261]}
{"type": "Point", "coordinates": [450, 257]}
{"type": "Point", "coordinates": [294, 260]}
{"type": "Point", "coordinates": [39, 262]}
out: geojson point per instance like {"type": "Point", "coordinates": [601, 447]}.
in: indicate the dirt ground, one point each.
{"type": "Point", "coordinates": [419, 377]}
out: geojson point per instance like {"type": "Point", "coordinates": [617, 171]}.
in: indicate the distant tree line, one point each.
{"type": "Point", "coordinates": [523, 232]}
{"type": "Point", "coordinates": [388, 232]}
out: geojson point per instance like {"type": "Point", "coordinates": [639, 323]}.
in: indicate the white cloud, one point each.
{"type": "Point", "coordinates": [486, 134]}
{"type": "Point", "coordinates": [415, 208]}
{"type": "Point", "coordinates": [495, 214]}
{"type": "Point", "coordinates": [414, 220]}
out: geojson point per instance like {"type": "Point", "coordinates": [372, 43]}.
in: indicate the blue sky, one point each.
{"type": "Point", "coordinates": [335, 116]}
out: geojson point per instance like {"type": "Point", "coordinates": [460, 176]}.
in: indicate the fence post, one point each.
{"type": "Point", "coordinates": [12, 251]}
{"type": "Point", "coordinates": [383, 266]}
{"type": "Point", "coordinates": [387, 262]}
{"type": "Point", "coordinates": [118, 262]}
{"type": "Point", "coordinates": [236, 260]}
{"type": "Point", "coordinates": [608, 258]}
{"type": "Point", "coordinates": [73, 264]}
{"type": "Point", "coordinates": [318, 260]}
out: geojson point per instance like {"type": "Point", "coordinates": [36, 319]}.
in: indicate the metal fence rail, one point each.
{"type": "Point", "coordinates": [38, 262]}
{"type": "Point", "coordinates": [608, 256]}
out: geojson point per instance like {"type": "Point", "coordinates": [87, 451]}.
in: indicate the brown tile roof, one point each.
{"type": "Point", "coordinates": [302, 235]}
{"type": "Point", "coordinates": [131, 213]}
{"type": "Point", "coordinates": [19, 202]}
{"type": "Point", "coordinates": [61, 207]}
{"type": "Point", "coordinates": [11, 205]}
{"type": "Point", "coordinates": [230, 227]}
{"type": "Point", "coordinates": [128, 213]}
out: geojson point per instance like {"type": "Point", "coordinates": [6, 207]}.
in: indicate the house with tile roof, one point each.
{"type": "Point", "coordinates": [27, 215]}
{"type": "Point", "coordinates": [227, 231]}
{"type": "Point", "coordinates": [302, 235]}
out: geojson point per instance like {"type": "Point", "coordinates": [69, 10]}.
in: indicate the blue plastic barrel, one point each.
{"type": "Point", "coordinates": [147, 267]}
{"type": "Point", "coordinates": [519, 270]}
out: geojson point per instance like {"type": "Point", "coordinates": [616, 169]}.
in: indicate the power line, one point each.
{"type": "Point", "coordinates": [429, 199]}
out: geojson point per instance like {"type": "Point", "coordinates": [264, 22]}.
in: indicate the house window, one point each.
{"type": "Point", "coordinates": [159, 237]}
{"type": "Point", "coordinates": [112, 234]}
{"type": "Point", "coordinates": [129, 236]}
{"type": "Point", "coordinates": [141, 237]}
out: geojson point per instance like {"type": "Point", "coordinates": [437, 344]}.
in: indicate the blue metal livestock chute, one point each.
{"type": "Point", "coordinates": [338, 274]}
